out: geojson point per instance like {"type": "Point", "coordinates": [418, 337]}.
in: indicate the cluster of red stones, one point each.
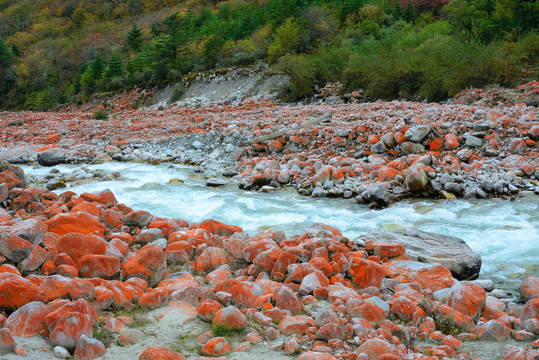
{"type": "Point", "coordinates": [68, 259]}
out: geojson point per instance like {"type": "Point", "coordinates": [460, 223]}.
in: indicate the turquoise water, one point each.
{"type": "Point", "coordinates": [506, 234]}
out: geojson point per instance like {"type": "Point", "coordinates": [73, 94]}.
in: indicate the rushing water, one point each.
{"type": "Point", "coordinates": [506, 234]}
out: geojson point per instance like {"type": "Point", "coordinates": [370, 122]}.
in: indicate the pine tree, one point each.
{"type": "Point", "coordinates": [134, 38]}
{"type": "Point", "coordinates": [115, 67]}
{"type": "Point", "coordinates": [6, 57]}
{"type": "Point", "coordinates": [15, 50]}
{"type": "Point", "coordinates": [409, 12]}
{"type": "Point", "coordinates": [97, 68]}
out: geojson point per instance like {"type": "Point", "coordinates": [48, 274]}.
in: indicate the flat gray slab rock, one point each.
{"type": "Point", "coordinates": [449, 251]}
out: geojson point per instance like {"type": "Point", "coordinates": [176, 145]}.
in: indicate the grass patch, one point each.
{"type": "Point", "coordinates": [223, 330]}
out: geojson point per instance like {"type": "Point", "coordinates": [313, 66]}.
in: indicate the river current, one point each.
{"type": "Point", "coordinates": [504, 233]}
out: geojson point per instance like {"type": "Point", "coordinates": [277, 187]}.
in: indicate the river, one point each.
{"type": "Point", "coordinates": [505, 234]}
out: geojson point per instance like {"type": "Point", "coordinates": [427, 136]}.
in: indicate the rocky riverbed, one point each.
{"type": "Point", "coordinates": [85, 275]}
{"type": "Point", "coordinates": [377, 152]}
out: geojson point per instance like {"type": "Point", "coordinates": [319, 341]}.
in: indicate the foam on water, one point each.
{"type": "Point", "coordinates": [506, 234]}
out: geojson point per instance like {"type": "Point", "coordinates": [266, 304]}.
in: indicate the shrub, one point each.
{"type": "Point", "coordinates": [301, 70]}
{"type": "Point", "coordinates": [100, 114]}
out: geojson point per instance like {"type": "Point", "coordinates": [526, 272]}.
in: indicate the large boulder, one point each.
{"type": "Point", "coordinates": [51, 157]}
{"type": "Point", "coordinates": [449, 251]}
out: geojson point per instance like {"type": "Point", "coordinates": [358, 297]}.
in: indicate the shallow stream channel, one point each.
{"type": "Point", "coordinates": [504, 233]}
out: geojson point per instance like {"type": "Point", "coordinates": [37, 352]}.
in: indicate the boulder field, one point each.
{"type": "Point", "coordinates": [81, 270]}
{"type": "Point", "coordinates": [377, 152]}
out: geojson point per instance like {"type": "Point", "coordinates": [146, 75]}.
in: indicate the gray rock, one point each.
{"type": "Point", "coordinates": [4, 192]}
{"type": "Point", "coordinates": [215, 182]}
{"type": "Point", "coordinates": [377, 194]}
{"type": "Point", "coordinates": [416, 177]}
{"type": "Point", "coordinates": [51, 157]}
{"type": "Point", "coordinates": [408, 148]}
{"type": "Point", "coordinates": [454, 188]}
{"type": "Point", "coordinates": [464, 154]}
{"type": "Point", "coordinates": [449, 251]}
{"type": "Point", "coordinates": [417, 133]}
{"type": "Point", "coordinates": [29, 230]}
{"type": "Point", "coordinates": [474, 141]}
{"type": "Point", "coordinates": [16, 156]}
{"type": "Point", "coordinates": [481, 127]}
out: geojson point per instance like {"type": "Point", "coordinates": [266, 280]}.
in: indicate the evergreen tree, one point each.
{"type": "Point", "coordinates": [5, 57]}
{"type": "Point", "coordinates": [409, 12]}
{"type": "Point", "coordinates": [15, 50]}
{"type": "Point", "coordinates": [134, 38]}
{"type": "Point", "coordinates": [97, 68]}
{"type": "Point", "coordinates": [115, 67]}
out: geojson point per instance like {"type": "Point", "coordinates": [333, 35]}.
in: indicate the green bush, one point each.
{"type": "Point", "coordinates": [301, 70]}
{"type": "Point", "coordinates": [100, 114]}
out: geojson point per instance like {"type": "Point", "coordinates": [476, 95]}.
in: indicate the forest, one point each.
{"type": "Point", "coordinates": [55, 52]}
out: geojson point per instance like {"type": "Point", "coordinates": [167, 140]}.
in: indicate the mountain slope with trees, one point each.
{"type": "Point", "coordinates": [58, 51]}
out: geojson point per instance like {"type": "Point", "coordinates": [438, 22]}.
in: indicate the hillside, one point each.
{"type": "Point", "coordinates": [59, 52]}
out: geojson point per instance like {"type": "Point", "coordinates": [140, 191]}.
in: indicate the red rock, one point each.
{"type": "Point", "coordinates": [451, 141]}
{"type": "Point", "coordinates": [7, 268]}
{"type": "Point", "coordinates": [312, 282]}
{"type": "Point", "coordinates": [255, 248]}
{"type": "Point", "coordinates": [297, 272]}
{"type": "Point", "coordinates": [184, 280]}
{"type": "Point", "coordinates": [210, 258]}
{"type": "Point", "coordinates": [230, 318]}
{"type": "Point", "coordinates": [387, 174]}
{"type": "Point", "coordinates": [311, 355]}
{"type": "Point", "coordinates": [295, 325]}
{"type": "Point", "coordinates": [78, 245]}
{"type": "Point", "coordinates": [367, 273]}
{"type": "Point", "coordinates": [160, 353]}
{"type": "Point", "coordinates": [243, 293]}
{"type": "Point", "coordinates": [208, 308]}
{"type": "Point", "coordinates": [139, 218]}
{"type": "Point", "coordinates": [7, 343]}
{"type": "Point", "coordinates": [493, 331]}
{"type": "Point", "coordinates": [530, 287]}
{"type": "Point", "coordinates": [436, 144]}
{"type": "Point", "coordinates": [80, 306]}
{"type": "Point", "coordinates": [403, 308]}
{"type": "Point", "coordinates": [267, 259]}
{"type": "Point", "coordinates": [330, 331]}
{"type": "Point", "coordinates": [386, 250]}
{"type": "Point", "coordinates": [154, 298]}
{"type": "Point", "coordinates": [374, 348]}
{"type": "Point", "coordinates": [16, 291]}
{"type": "Point", "coordinates": [89, 349]}
{"type": "Point", "coordinates": [69, 329]}
{"type": "Point", "coordinates": [90, 207]}
{"type": "Point", "coordinates": [374, 314]}
{"type": "Point", "coordinates": [517, 353]}
{"type": "Point", "coordinates": [467, 297]}
{"type": "Point", "coordinates": [217, 228]}
{"type": "Point", "coordinates": [28, 320]}
{"type": "Point", "coordinates": [79, 222]}
{"type": "Point", "coordinates": [517, 146]}
{"type": "Point", "coordinates": [216, 347]}
{"type": "Point", "coordinates": [123, 293]}
{"type": "Point", "coordinates": [148, 264]}
{"type": "Point", "coordinates": [202, 236]}
{"type": "Point", "coordinates": [81, 289]}
{"type": "Point", "coordinates": [67, 271]}
{"type": "Point", "coordinates": [193, 294]}
{"type": "Point", "coordinates": [286, 299]}
{"type": "Point", "coordinates": [101, 266]}
{"type": "Point", "coordinates": [112, 219]}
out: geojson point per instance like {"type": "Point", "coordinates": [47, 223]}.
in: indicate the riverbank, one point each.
{"type": "Point", "coordinates": [94, 269]}
{"type": "Point", "coordinates": [378, 152]}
